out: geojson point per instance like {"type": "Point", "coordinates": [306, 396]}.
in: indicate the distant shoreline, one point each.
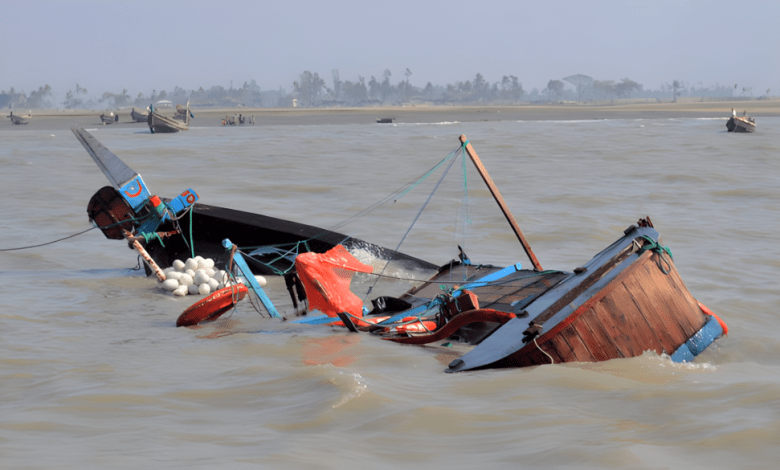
{"type": "Point", "coordinates": [58, 119]}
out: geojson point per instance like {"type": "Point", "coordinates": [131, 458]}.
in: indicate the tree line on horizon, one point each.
{"type": "Point", "coordinates": [311, 90]}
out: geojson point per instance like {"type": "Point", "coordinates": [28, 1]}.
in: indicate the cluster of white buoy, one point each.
{"type": "Point", "coordinates": [196, 276]}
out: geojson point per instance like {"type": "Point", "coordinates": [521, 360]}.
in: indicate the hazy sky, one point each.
{"type": "Point", "coordinates": [141, 45]}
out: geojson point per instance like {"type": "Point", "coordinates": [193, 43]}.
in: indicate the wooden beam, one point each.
{"type": "Point", "coordinates": [500, 200]}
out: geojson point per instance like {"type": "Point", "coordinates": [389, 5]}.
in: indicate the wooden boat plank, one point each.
{"type": "Point", "coordinates": [670, 334]}
{"type": "Point", "coordinates": [683, 290]}
{"type": "Point", "coordinates": [576, 344]}
{"type": "Point", "coordinates": [665, 294]}
{"type": "Point", "coordinates": [616, 328]}
{"type": "Point", "coordinates": [592, 333]}
{"type": "Point", "coordinates": [560, 346]}
{"type": "Point", "coordinates": [533, 355]}
{"type": "Point", "coordinates": [620, 300]}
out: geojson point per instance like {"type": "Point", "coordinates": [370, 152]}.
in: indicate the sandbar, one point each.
{"type": "Point", "coordinates": [59, 119]}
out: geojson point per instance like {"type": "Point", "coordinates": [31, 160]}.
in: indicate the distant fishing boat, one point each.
{"type": "Point", "coordinates": [385, 120]}
{"type": "Point", "coordinates": [740, 123]}
{"type": "Point", "coordinates": [160, 124]}
{"type": "Point", "coordinates": [138, 117]}
{"type": "Point", "coordinates": [18, 120]}
{"type": "Point", "coordinates": [110, 119]}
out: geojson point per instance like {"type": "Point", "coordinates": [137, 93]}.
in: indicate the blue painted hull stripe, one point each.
{"type": "Point", "coordinates": [699, 341]}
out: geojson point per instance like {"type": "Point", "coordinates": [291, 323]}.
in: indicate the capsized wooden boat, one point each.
{"type": "Point", "coordinates": [138, 117]}
{"type": "Point", "coordinates": [740, 123]}
{"type": "Point", "coordinates": [627, 300]}
{"type": "Point", "coordinates": [160, 124]}
{"type": "Point", "coordinates": [177, 228]}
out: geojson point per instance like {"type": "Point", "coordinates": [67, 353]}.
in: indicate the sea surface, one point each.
{"type": "Point", "coordinates": [94, 373]}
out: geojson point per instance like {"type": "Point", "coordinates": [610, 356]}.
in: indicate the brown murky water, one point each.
{"type": "Point", "coordinates": [94, 374]}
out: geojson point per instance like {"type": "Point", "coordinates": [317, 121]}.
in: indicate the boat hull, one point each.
{"type": "Point", "coordinates": [270, 244]}
{"type": "Point", "coordinates": [138, 117]}
{"type": "Point", "coordinates": [738, 124]}
{"type": "Point", "coordinates": [620, 305]}
{"type": "Point", "coordinates": [160, 124]}
{"type": "Point", "coordinates": [640, 310]}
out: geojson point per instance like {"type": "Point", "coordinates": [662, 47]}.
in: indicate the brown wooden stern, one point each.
{"type": "Point", "coordinates": [641, 309]}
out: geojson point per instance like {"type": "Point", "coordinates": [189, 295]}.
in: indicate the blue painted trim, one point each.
{"type": "Point", "coordinates": [489, 278]}
{"type": "Point", "coordinates": [316, 319]}
{"type": "Point", "coordinates": [683, 354]}
{"type": "Point", "coordinates": [135, 193]}
{"type": "Point", "coordinates": [179, 203]}
{"type": "Point", "coordinates": [699, 341]}
{"type": "Point", "coordinates": [250, 278]}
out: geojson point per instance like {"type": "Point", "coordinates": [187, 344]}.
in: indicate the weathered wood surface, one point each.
{"type": "Point", "coordinates": [641, 309]}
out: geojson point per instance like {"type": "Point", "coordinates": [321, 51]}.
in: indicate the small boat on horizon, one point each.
{"type": "Point", "coordinates": [138, 117]}
{"type": "Point", "coordinates": [18, 120]}
{"type": "Point", "coordinates": [740, 123]}
{"type": "Point", "coordinates": [159, 124]}
{"type": "Point", "coordinates": [109, 119]}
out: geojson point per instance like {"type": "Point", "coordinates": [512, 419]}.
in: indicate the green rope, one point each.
{"type": "Point", "coordinates": [277, 271]}
{"type": "Point", "coordinates": [416, 183]}
{"type": "Point", "coordinates": [655, 246]}
{"type": "Point", "coordinates": [663, 263]}
{"type": "Point", "coordinates": [152, 236]}
{"type": "Point", "coordinates": [192, 243]}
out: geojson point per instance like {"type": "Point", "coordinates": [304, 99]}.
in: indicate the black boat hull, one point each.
{"type": "Point", "coordinates": [204, 229]}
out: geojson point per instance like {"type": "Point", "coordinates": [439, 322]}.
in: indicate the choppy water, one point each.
{"type": "Point", "coordinates": [94, 374]}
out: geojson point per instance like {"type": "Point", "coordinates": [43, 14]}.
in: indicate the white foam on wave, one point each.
{"type": "Point", "coordinates": [356, 386]}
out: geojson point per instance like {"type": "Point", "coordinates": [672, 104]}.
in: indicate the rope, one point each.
{"type": "Point", "coordinates": [192, 243]}
{"type": "Point", "coordinates": [48, 243]}
{"type": "Point", "coordinates": [416, 217]}
{"type": "Point", "coordinates": [152, 236]}
{"type": "Point", "coordinates": [664, 264]}
{"type": "Point", "coordinates": [545, 352]}
{"type": "Point", "coordinates": [132, 219]}
{"type": "Point", "coordinates": [396, 195]}
{"type": "Point", "coordinates": [270, 266]}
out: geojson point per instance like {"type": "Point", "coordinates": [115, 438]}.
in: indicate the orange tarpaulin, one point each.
{"type": "Point", "coordinates": [326, 278]}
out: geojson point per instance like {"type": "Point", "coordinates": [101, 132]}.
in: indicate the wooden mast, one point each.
{"type": "Point", "coordinates": [500, 200]}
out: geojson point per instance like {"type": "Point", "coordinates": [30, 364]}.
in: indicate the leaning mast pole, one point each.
{"type": "Point", "coordinates": [500, 200]}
